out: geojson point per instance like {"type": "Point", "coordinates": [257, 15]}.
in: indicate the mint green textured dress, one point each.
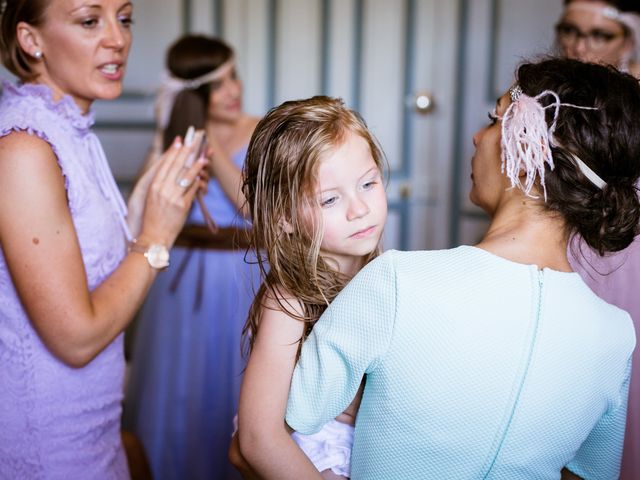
{"type": "Point", "coordinates": [476, 368]}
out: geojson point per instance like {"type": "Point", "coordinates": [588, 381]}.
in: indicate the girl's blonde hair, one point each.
{"type": "Point", "coordinates": [280, 175]}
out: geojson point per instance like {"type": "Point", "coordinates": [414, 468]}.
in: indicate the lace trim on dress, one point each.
{"type": "Point", "coordinates": [65, 107]}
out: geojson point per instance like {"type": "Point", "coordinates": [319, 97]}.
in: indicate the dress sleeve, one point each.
{"type": "Point", "coordinates": [600, 454]}
{"type": "Point", "coordinates": [347, 342]}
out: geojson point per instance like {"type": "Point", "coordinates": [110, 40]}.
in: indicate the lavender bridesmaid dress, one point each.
{"type": "Point", "coordinates": [187, 368]}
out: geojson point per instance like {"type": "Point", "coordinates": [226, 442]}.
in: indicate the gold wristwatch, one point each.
{"type": "Point", "coordinates": [156, 254]}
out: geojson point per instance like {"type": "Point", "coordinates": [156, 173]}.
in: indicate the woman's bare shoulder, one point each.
{"type": "Point", "coordinates": [19, 141]}
{"type": "Point", "coordinates": [29, 157]}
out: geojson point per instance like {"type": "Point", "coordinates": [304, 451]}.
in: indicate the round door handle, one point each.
{"type": "Point", "coordinates": [423, 102]}
{"type": "Point", "coordinates": [405, 190]}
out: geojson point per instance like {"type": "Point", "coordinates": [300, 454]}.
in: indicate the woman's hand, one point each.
{"type": "Point", "coordinates": [163, 196]}
{"type": "Point", "coordinates": [138, 196]}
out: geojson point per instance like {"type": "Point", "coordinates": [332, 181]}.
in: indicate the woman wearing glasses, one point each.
{"type": "Point", "coordinates": [599, 31]}
{"type": "Point", "coordinates": [609, 32]}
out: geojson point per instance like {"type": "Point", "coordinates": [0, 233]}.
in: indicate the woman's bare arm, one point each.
{"type": "Point", "coordinates": [41, 248]}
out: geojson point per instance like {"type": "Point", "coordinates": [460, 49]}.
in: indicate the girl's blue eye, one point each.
{"type": "Point", "coordinates": [369, 184]}
{"type": "Point", "coordinates": [328, 201]}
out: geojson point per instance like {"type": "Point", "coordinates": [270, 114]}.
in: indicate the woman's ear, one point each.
{"type": "Point", "coordinates": [29, 40]}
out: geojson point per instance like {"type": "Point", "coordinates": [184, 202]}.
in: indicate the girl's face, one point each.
{"type": "Point", "coordinates": [85, 46]}
{"type": "Point", "coordinates": [225, 99]}
{"type": "Point", "coordinates": [488, 183]}
{"type": "Point", "coordinates": [352, 203]}
{"type": "Point", "coordinates": [587, 35]}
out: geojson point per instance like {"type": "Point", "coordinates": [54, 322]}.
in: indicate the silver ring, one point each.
{"type": "Point", "coordinates": [184, 183]}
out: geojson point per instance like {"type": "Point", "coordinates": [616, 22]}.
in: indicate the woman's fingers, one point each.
{"type": "Point", "coordinates": [190, 177]}
{"type": "Point", "coordinates": [169, 201]}
{"type": "Point", "coordinates": [192, 180]}
{"type": "Point", "coordinates": [184, 159]}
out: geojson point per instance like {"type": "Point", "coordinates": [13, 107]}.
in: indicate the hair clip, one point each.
{"type": "Point", "coordinates": [527, 139]}
{"type": "Point", "coordinates": [515, 92]}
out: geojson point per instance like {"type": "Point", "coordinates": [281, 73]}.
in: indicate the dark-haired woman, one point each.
{"type": "Point", "coordinates": [497, 361]}
{"type": "Point", "coordinates": [71, 278]}
{"type": "Point", "coordinates": [608, 32]}
{"type": "Point", "coordinates": [187, 364]}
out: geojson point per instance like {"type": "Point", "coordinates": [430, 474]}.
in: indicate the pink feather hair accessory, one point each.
{"type": "Point", "coordinates": [527, 139]}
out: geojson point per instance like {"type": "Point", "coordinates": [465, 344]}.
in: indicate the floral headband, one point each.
{"type": "Point", "coordinates": [171, 86]}
{"type": "Point", "coordinates": [527, 140]}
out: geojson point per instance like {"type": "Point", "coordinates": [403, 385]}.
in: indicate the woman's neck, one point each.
{"type": "Point", "coordinates": [523, 232]}
{"type": "Point", "coordinates": [84, 104]}
{"type": "Point", "coordinates": [230, 135]}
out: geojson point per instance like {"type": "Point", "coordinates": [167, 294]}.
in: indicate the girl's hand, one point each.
{"type": "Point", "coordinates": [169, 194]}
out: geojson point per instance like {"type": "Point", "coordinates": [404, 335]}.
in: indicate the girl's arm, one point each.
{"type": "Point", "coordinates": [237, 460]}
{"type": "Point", "coordinates": [264, 440]}
{"type": "Point", "coordinates": [41, 248]}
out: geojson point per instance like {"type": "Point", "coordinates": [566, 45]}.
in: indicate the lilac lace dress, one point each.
{"type": "Point", "coordinates": [58, 422]}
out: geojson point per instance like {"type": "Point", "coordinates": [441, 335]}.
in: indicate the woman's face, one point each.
{"type": "Point", "coordinates": [225, 99]}
{"type": "Point", "coordinates": [488, 183]}
{"type": "Point", "coordinates": [85, 46]}
{"type": "Point", "coordinates": [585, 34]}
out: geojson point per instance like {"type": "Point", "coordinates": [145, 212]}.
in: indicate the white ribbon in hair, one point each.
{"type": "Point", "coordinates": [587, 172]}
{"type": "Point", "coordinates": [526, 140]}
{"type": "Point", "coordinates": [171, 86]}
{"type": "Point", "coordinates": [631, 20]}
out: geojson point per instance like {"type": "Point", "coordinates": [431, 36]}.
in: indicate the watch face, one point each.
{"type": "Point", "coordinates": [158, 256]}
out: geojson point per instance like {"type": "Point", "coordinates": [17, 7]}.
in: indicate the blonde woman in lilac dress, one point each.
{"type": "Point", "coordinates": [71, 277]}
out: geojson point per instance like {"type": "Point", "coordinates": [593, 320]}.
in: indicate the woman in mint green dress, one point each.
{"type": "Point", "coordinates": [496, 361]}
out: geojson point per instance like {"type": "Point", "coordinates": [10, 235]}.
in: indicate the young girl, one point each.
{"type": "Point", "coordinates": [313, 183]}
